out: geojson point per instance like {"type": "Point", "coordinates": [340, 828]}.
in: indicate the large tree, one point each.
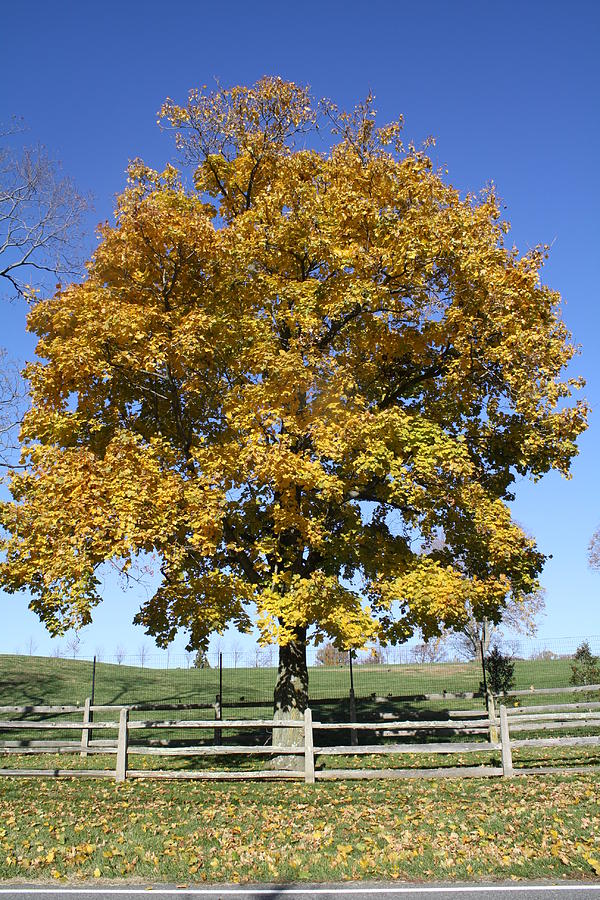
{"type": "Point", "coordinates": [283, 383]}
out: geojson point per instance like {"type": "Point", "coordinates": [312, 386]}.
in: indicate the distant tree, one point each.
{"type": "Point", "coordinates": [201, 660]}
{"type": "Point", "coordinates": [263, 656]}
{"type": "Point", "coordinates": [99, 654]}
{"type": "Point", "coordinates": [375, 656]}
{"type": "Point", "coordinates": [41, 213]}
{"type": "Point", "coordinates": [142, 654]}
{"type": "Point", "coordinates": [12, 398]}
{"type": "Point", "coordinates": [40, 233]}
{"type": "Point", "coordinates": [57, 651]}
{"type": "Point", "coordinates": [473, 636]}
{"type": "Point", "coordinates": [31, 646]}
{"type": "Point", "coordinates": [545, 655]}
{"type": "Point", "coordinates": [328, 655]}
{"type": "Point", "coordinates": [236, 655]}
{"type": "Point", "coordinates": [585, 668]}
{"type": "Point", "coordinates": [594, 550]}
{"type": "Point", "coordinates": [431, 651]}
{"type": "Point", "coordinates": [520, 614]}
{"type": "Point", "coordinates": [119, 654]}
{"type": "Point", "coordinates": [500, 672]}
{"type": "Point", "coordinates": [73, 645]}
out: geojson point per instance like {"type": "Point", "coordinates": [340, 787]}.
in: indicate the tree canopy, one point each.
{"type": "Point", "coordinates": [286, 380]}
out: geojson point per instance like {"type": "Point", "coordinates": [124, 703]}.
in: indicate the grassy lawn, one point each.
{"type": "Point", "coordinates": [547, 826]}
{"type": "Point", "coordinates": [190, 832]}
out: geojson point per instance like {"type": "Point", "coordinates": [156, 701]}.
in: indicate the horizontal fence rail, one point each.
{"type": "Point", "coordinates": [572, 689]}
{"type": "Point", "coordinates": [493, 731]}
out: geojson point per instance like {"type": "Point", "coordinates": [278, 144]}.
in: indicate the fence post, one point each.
{"type": "Point", "coordinates": [309, 752]}
{"type": "Point", "coordinates": [121, 772]}
{"type": "Point", "coordinates": [491, 705]}
{"type": "Point", "coordinates": [92, 697]}
{"type": "Point", "coordinates": [85, 733]}
{"type": "Point", "coordinates": [352, 703]}
{"type": "Point", "coordinates": [218, 717]}
{"type": "Point", "coordinates": [507, 764]}
{"type": "Point", "coordinates": [221, 680]}
{"type": "Point", "coordinates": [93, 679]}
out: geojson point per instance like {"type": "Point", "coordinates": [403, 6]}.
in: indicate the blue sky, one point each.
{"type": "Point", "coordinates": [509, 90]}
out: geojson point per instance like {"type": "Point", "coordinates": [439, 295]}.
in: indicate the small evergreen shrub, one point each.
{"type": "Point", "coordinates": [500, 672]}
{"type": "Point", "coordinates": [585, 668]}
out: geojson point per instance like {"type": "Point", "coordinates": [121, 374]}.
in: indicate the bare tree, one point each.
{"type": "Point", "coordinates": [374, 656]}
{"type": "Point", "coordinates": [119, 654]}
{"type": "Point", "coordinates": [263, 657]}
{"type": "Point", "coordinates": [236, 654]}
{"type": "Point", "coordinates": [31, 646]}
{"type": "Point", "coordinates": [41, 213]}
{"type": "Point", "coordinates": [12, 402]}
{"type": "Point", "coordinates": [73, 645]}
{"type": "Point", "coordinates": [57, 652]}
{"type": "Point", "coordinates": [142, 654]}
{"type": "Point", "coordinates": [594, 550]}
{"type": "Point", "coordinates": [99, 654]}
{"type": "Point", "coordinates": [328, 655]}
{"type": "Point", "coordinates": [432, 651]}
{"type": "Point", "coordinates": [520, 616]}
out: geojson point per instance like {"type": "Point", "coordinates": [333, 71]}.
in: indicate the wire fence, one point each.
{"type": "Point", "coordinates": [245, 681]}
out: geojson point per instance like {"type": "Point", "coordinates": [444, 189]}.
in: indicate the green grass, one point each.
{"type": "Point", "coordinates": [76, 829]}
{"type": "Point", "coordinates": [543, 827]}
{"type": "Point", "coordinates": [41, 680]}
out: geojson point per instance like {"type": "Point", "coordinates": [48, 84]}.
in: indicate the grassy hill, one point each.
{"type": "Point", "coordinates": [43, 680]}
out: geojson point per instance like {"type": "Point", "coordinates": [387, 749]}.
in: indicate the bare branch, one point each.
{"type": "Point", "coordinates": [41, 213]}
{"type": "Point", "coordinates": [12, 404]}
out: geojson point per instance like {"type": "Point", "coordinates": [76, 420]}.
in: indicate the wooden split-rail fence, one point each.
{"type": "Point", "coordinates": [495, 731]}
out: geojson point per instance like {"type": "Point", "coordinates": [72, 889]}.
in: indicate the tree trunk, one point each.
{"type": "Point", "coordinates": [291, 698]}
{"type": "Point", "coordinates": [291, 689]}
{"type": "Point", "coordinates": [486, 635]}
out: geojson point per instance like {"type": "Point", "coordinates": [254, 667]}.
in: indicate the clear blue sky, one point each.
{"type": "Point", "coordinates": [510, 91]}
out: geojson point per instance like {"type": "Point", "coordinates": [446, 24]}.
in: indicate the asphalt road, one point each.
{"type": "Point", "coordinates": [562, 891]}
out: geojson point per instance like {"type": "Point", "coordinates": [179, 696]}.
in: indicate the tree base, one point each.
{"type": "Point", "coordinates": [286, 763]}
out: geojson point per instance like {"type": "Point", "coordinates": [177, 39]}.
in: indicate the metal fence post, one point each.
{"type": "Point", "coordinates": [352, 703]}
{"type": "Point", "coordinates": [85, 732]}
{"type": "Point", "coordinates": [218, 717]}
{"type": "Point", "coordinates": [309, 750]}
{"type": "Point", "coordinates": [92, 696]}
{"type": "Point", "coordinates": [221, 683]}
{"type": "Point", "coordinates": [93, 680]}
{"type": "Point", "coordinates": [507, 764]}
{"type": "Point", "coordinates": [121, 772]}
